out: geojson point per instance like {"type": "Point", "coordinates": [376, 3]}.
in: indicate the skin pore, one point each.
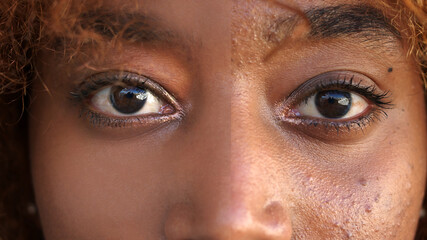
{"type": "Point", "coordinates": [232, 153]}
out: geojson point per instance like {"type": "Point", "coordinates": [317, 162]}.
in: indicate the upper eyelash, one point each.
{"type": "Point", "coordinates": [95, 83]}
{"type": "Point", "coordinates": [381, 99]}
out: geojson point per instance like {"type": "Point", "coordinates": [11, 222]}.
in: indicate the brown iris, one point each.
{"type": "Point", "coordinates": [128, 100]}
{"type": "Point", "coordinates": [333, 103]}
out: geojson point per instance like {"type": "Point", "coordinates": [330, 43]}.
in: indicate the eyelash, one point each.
{"type": "Point", "coordinates": [83, 92]}
{"type": "Point", "coordinates": [380, 101]}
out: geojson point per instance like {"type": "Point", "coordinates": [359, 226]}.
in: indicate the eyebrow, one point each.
{"type": "Point", "coordinates": [132, 27]}
{"type": "Point", "coordinates": [362, 22]}
{"type": "Point", "coordinates": [341, 20]}
{"type": "Point", "coordinates": [366, 24]}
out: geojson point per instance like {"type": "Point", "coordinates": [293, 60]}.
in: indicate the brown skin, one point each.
{"type": "Point", "coordinates": [229, 169]}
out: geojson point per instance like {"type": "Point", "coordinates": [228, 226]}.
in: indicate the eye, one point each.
{"type": "Point", "coordinates": [341, 100]}
{"type": "Point", "coordinates": [333, 104]}
{"type": "Point", "coordinates": [127, 101]}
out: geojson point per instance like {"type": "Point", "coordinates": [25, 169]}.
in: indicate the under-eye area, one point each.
{"type": "Point", "coordinates": [340, 101]}
{"type": "Point", "coordinates": [124, 99]}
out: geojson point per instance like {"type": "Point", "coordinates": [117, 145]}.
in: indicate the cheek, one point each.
{"type": "Point", "coordinates": [368, 190]}
{"type": "Point", "coordinates": [88, 187]}
{"type": "Point", "coordinates": [379, 197]}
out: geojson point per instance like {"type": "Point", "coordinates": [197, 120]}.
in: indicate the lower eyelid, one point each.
{"type": "Point", "coordinates": [97, 120]}
{"type": "Point", "coordinates": [338, 132]}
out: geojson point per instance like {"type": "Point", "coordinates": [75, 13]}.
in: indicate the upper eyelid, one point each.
{"type": "Point", "coordinates": [98, 80]}
{"type": "Point", "coordinates": [351, 81]}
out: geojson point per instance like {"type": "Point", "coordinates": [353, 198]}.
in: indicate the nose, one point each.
{"type": "Point", "coordinates": [241, 223]}
{"type": "Point", "coordinates": [240, 197]}
{"type": "Point", "coordinates": [225, 211]}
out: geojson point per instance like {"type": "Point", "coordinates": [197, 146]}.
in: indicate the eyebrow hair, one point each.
{"type": "Point", "coordinates": [362, 22]}
{"type": "Point", "coordinates": [133, 27]}
{"type": "Point", "coordinates": [336, 21]}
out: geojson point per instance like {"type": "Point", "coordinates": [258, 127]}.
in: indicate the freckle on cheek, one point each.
{"type": "Point", "coordinates": [390, 69]}
{"type": "Point", "coordinates": [363, 182]}
{"type": "Point", "coordinates": [368, 208]}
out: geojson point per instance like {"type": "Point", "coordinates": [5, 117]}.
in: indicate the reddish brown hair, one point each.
{"type": "Point", "coordinates": [23, 33]}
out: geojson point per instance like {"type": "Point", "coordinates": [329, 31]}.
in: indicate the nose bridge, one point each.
{"type": "Point", "coordinates": [258, 180]}
{"type": "Point", "coordinates": [238, 194]}
{"type": "Point", "coordinates": [252, 202]}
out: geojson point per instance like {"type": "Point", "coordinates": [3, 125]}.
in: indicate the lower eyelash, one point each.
{"type": "Point", "coordinates": [100, 120]}
{"type": "Point", "coordinates": [376, 115]}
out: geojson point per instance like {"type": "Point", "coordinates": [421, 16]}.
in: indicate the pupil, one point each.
{"type": "Point", "coordinates": [130, 95]}
{"type": "Point", "coordinates": [333, 103]}
{"type": "Point", "coordinates": [128, 100]}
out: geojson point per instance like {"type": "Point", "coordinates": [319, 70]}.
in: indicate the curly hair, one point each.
{"type": "Point", "coordinates": [23, 33]}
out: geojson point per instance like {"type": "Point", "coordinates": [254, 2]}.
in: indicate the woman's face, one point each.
{"type": "Point", "coordinates": [230, 120]}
